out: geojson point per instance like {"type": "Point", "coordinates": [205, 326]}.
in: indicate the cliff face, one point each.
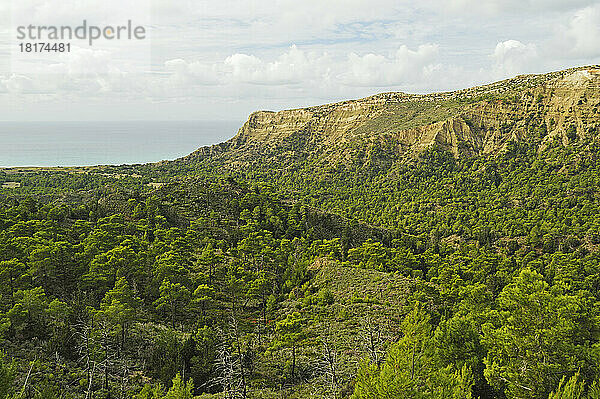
{"type": "Point", "coordinates": [482, 120]}
{"type": "Point", "coordinates": [323, 124]}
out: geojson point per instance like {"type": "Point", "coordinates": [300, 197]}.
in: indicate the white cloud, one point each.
{"type": "Point", "coordinates": [232, 56]}
{"type": "Point", "coordinates": [312, 69]}
{"type": "Point", "coordinates": [405, 67]}
{"type": "Point", "coordinates": [195, 72]}
{"type": "Point", "coordinates": [17, 84]}
{"type": "Point", "coordinates": [84, 61]}
{"type": "Point", "coordinates": [292, 67]}
{"type": "Point", "coordinates": [512, 57]}
{"type": "Point", "coordinates": [583, 32]}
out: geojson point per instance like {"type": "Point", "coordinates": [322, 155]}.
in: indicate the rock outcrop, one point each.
{"type": "Point", "coordinates": [482, 120]}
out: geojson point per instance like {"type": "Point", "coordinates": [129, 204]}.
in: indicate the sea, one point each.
{"type": "Point", "coordinates": [52, 144]}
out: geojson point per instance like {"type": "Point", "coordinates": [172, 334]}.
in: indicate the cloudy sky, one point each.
{"type": "Point", "coordinates": [221, 60]}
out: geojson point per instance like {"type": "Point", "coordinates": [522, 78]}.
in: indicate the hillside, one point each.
{"type": "Point", "coordinates": [477, 121]}
{"type": "Point", "coordinates": [442, 246]}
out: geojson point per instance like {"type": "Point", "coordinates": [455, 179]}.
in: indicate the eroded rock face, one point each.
{"type": "Point", "coordinates": [480, 120]}
{"type": "Point", "coordinates": [265, 126]}
{"type": "Point", "coordinates": [319, 124]}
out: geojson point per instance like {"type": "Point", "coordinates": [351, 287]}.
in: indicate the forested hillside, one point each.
{"type": "Point", "coordinates": [400, 246]}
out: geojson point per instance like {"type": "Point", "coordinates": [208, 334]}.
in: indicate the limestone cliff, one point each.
{"type": "Point", "coordinates": [482, 120]}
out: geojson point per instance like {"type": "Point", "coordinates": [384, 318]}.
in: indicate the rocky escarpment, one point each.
{"type": "Point", "coordinates": [560, 106]}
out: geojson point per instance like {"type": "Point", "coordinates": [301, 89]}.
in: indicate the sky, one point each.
{"type": "Point", "coordinates": [222, 60]}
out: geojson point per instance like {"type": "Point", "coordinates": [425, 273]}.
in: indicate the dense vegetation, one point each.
{"type": "Point", "coordinates": [436, 277]}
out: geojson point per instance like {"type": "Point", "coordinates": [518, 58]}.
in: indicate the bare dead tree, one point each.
{"type": "Point", "coordinates": [109, 347]}
{"type": "Point", "coordinates": [228, 373]}
{"type": "Point", "coordinates": [99, 351]}
{"type": "Point", "coordinates": [330, 356]}
{"type": "Point", "coordinates": [124, 379]}
{"type": "Point", "coordinates": [86, 341]}
{"type": "Point", "coordinates": [328, 364]}
{"type": "Point", "coordinates": [231, 361]}
{"type": "Point", "coordinates": [234, 331]}
{"type": "Point", "coordinates": [25, 384]}
{"type": "Point", "coordinates": [373, 339]}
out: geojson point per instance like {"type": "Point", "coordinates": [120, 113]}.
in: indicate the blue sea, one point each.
{"type": "Point", "coordinates": [104, 143]}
